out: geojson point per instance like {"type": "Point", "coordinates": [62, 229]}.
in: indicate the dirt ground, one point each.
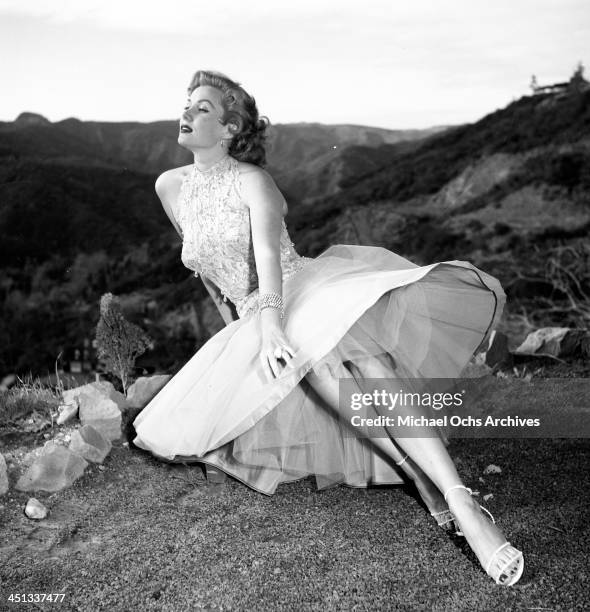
{"type": "Point", "coordinates": [143, 534]}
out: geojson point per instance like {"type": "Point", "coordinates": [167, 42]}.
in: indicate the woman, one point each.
{"type": "Point", "coordinates": [260, 399]}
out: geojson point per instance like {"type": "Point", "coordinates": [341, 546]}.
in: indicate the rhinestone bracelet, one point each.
{"type": "Point", "coordinates": [271, 300]}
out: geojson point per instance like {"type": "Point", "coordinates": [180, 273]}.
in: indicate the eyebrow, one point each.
{"type": "Point", "coordinates": [203, 100]}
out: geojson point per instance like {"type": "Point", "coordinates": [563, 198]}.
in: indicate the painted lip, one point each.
{"type": "Point", "coordinates": [185, 129]}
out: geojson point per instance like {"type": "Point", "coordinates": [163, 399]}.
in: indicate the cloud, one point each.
{"type": "Point", "coordinates": [307, 60]}
{"type": "Point", "coordinates": [181, 15]}
{"type": "Point", "coordinates": [407, 18]}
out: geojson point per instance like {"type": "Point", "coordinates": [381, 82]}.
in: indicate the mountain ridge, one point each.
{"type": "Point", "coordinates": [79, 216]}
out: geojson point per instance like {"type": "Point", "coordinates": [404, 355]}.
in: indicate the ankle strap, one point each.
{"type": "Point", "coordinates": [457, 487]}
{"type": "Point", "coordinates": [401, 461]}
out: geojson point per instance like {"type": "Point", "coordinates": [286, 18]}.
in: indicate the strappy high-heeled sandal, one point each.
{"type": "Point", "coordinates": [444, 518]}
{"type": "Point", "coordinates": [512, 569]}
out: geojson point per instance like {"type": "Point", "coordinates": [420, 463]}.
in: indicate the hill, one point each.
{"type": "Point", "coordinates": [78, 217]}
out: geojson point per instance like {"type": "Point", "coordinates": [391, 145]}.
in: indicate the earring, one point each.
{"type": "Point", "coordinates": [222, 143]}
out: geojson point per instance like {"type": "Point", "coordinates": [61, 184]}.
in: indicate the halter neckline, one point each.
{"type": "Point", "coordinates": [217, 168]}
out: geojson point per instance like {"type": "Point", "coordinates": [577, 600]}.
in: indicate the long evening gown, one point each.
{"type": "Point", "coordinates": [349, 304]}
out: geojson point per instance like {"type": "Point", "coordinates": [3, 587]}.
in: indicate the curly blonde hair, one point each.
{"type": "Point", "coordinates": [249, 135]}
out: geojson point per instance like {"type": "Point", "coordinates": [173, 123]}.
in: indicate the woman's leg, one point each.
{"type": "Point", "coordinates": [428, 491]}
{"type": "Point", "coordinates": [431, 456]}
{"type": "Point", "coordinates": [327, 387]}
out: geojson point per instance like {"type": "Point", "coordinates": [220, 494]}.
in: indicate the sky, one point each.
{"type": "Point", "coordinates": [396, 64]}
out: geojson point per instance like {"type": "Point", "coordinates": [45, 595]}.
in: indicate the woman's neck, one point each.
{"type": "Point", "coordinates": [207, 159]}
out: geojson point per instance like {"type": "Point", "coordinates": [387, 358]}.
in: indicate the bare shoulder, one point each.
{"type": "Point", "coordinates": [257, 184]}
{"type": "Point", "coordinates": [168, 187]}
{"type": "Point", "coordinates": [169, 182]}
{"type": "Point", "coordinates": [252, 172]}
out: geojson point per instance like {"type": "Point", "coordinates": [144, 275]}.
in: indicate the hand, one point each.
{"type": "Point", "coordinates": [276, 351]}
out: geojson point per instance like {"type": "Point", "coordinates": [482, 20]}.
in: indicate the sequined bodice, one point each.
{"type": "Point", "coordinates": [217, 239]}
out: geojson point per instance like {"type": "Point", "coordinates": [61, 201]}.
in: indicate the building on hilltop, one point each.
{"type": "Point", "coordinates": [576, 84]}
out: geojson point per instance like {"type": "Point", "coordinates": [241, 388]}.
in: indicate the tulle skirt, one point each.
{"type": "Point", "coordinates": [347, 310]}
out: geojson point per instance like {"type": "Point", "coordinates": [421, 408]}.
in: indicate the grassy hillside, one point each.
{"type": "Point", "coordinates": [525, 125]}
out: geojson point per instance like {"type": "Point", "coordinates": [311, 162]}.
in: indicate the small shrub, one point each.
{"type": "Point", "coordinates": [119, 342]}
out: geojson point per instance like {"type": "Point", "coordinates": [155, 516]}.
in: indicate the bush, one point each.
{"type": "Point", "coordinates": [119, 342]}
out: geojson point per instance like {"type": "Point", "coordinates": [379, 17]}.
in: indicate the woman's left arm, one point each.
{"type": "Point", "coordinates": [266, 204]}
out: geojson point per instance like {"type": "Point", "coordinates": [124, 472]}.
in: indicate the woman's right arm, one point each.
{"type": "Point", "coordinates": [167, 188]}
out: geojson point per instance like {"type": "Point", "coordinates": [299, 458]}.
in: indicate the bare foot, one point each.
{"type": "Point", "coordinates": [485, 538]}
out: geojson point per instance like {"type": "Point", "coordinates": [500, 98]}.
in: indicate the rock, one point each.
{"type": "Point", "coordinates": [144, 389]}
{"type": "Point", "coordinates": [542, 342]}
{"type": "Point", "coordinates": [104, 415]}
{"type": "Point", "coordinates": [90, 444]}
{"type": "Point", "coordinates": [29, 458]}
{"type": "Point", "coordinates": [3, 475]}
{"type": "Point", "coordinates": [55, 469]}
{"type": "Point", "coordinates": [94, 392]}
{"type": "Point", "coordinates": [67, 412]}
{"type": "Point", "coordinates": [492, 469]}
{"type": "Point", "coordinates": [35, 509]}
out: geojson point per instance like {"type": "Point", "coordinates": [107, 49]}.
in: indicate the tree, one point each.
{"type": "Point", "coordinates": [119, 342]}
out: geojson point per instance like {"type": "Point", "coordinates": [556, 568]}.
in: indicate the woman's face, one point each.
{"type": "Point", "coordinates": [200, 123]}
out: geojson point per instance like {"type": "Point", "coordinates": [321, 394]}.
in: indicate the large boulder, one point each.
{"type": "Point", "coordinates": [93, 392]}
{"type": "Point", "coordinates": [144, 389]}
{"type": "Point", "coordinates": [99, 405]}
{"type": "Point", "coordinates": [89, 443]}
{"type": "Point", "coordinates": [57, 468]}
{"type": "Point", "coordinates": [103, 414]}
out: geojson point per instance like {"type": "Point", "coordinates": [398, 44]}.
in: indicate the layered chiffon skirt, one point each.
{"type": "Point", "coordinates": [346, 311]}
